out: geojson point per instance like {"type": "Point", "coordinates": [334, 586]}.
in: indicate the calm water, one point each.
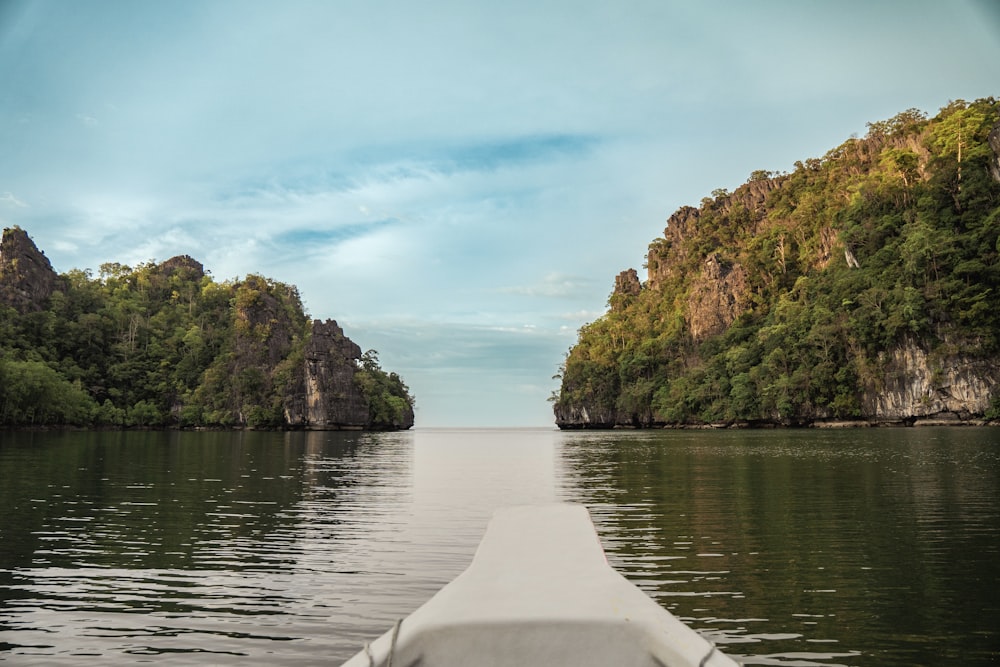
{"type": "Point", "coordinates": [861, 547]}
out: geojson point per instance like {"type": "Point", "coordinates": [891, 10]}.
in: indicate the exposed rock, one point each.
{"type": "Point", "coordinates": [667, 257]}
{"type": "Point", "coordinates": [919, 386]}
{"type": "Point", "coordinates": [718, 296]}
{"type": "Point", "coordinates": [751, 195]}
{"type": "Point", "coordinates": [580, 417]}
{"type": "Point", "coordinates": [828, 248]}
{"type": "Point", "coordinates": [851, 362]}
{"type": "Point", "coordinates": [627, 283]}
{"type": "Point", "coordinates": [188, 267]}
{"type": "Point", "coordinates": [264, 331]}
{"type": "Point", "coordinates": [26, 276]}
{"type": "Point", "coordinates": [667, 254]}
{"type": "Point", "coordinates": [329, 399]}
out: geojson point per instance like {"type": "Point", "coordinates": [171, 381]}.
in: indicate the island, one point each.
{"type": "Point", "coordinates": [164, 345]}
{"type": "Point", "coordinates": [862, 288]}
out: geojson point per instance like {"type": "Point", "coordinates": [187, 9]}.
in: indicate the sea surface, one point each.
{"type": "Point", "coordinates": [785, 547]}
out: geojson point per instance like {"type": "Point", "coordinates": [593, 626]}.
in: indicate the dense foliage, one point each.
{"type": "Point", "coordinates": [162, 345]}
{"type": "Point", "coordinates": [887, 238]}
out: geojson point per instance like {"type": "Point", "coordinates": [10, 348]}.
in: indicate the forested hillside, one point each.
{"type": "Point", "coordinates": [861, 286]}
{"type": "Point", "coordinates": [165, 345]}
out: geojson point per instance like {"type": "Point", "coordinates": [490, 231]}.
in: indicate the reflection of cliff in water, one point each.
{"type": "Point", "coordinates": [356, 485]}
{"type": "Point", "coordinates": [862, 537]}
{"type": "Point", "coordinates": [217, 544]}
{"type": "Point", "coordinates": [181, 500]}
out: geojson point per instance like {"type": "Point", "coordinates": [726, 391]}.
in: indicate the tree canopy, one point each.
{"type": "Point", "coordinates": [817, 274]}
{"type": "Point", "coordinates": [162, 345]}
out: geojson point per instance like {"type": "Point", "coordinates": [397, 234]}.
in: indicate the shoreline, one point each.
{"type": "Point", "coordinates": [913, 422]}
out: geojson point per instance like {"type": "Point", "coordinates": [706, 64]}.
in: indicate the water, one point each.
{"type": "Point", "coordinates": [861, 547]}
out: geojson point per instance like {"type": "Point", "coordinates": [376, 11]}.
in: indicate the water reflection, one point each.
{"type": "Point", "coordinates": [848, 547]}
{"type": "Point", "coordinates": [247, 547]}
{"type": "Point", "coordinates": [169, 544]}
{"type": "Point", "coordinates": [792, 548]}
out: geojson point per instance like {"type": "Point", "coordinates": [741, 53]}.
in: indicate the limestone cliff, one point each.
{"type": "Point", "coordinates": [717, 297]}
{"type": "Point", "coordinates": [627, 286]}
{"type": "Point", "coordinates": [859, 288]}
{"type": "Point", "coordinates": [265, 327]}
{"type": "Point", "coordinates": [26, 276]}
{"type": "Point", "coordinates": [313, 371]}
{"type": "Point", "coordinates": [164, 345]}
{"type": "Point", "coordinates": [326, 396]}
{"type": "Point", "coordinates": [665, 257]}
{"type": "Point", "coordinates": [916, 386]}
{"type": "Point", "coordinates": [580, 416]}
{"type": "Point", "coordinates": [329, 387]}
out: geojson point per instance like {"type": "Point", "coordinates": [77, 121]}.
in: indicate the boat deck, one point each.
{"type": "Point", "coordinates": [540, 591]}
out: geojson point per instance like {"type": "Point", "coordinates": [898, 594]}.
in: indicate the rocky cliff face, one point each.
{"type": "Point", "coordinates": [874, 337]}
{"type": "Point", "coordinates": [26, 276]}
{"type": "Point", "coordinates": [718, 295]}
{"type": "Point", "coordinates": [919, 387]}
{"type": "Point", "coordinates": [579, 416]}
{"type": "Point", "coordinates": [264, 329]}
{"type": "Point", "coordinates": [667, 258]}
{"type": "Point", "coordinates": [627, 283]}
{"type": "Point", "coordinates": [627, 286]}
{"type": "Point", "coordinates": [163, 345]}
{"type": "Point", "coordinates": [327, 396]}
{"type": "Point", "coordinates": [664, 259]}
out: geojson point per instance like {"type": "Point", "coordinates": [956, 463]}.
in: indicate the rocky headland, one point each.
{"type": "Point", "coordinates": [860, 289]}
{"type": "Point", "coordinates": [165, 346]}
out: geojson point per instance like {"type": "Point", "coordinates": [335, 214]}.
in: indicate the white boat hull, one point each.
{"type": "Point", "coordinates": [539, 591]}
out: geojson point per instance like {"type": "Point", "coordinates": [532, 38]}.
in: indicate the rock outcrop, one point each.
{"type": "Point", "coordinates": [183, 266]}
{"type": "Point", "coordinates": [26, 276]}
{"type": "Point", "coordinates": [328, 398]}
{"type": "Point", "coordinates": [264, 329]}
{"type": "Point", "coordinates": [719, 294]}
{"type": "Point", "coordinates": [627, 286]}
{"type": "Point", "coordinates": [577, 416]}
{"type": "Point", "coordinates": [163, 345]}
{"type": "Point", "coordinates": [666, 256]}
{"type": "Point", "coordinates": [627, 283]}
{"type": "Point", "coordinates": [915, 387]}
{"type": "Point", "coordinates": [858, 289]}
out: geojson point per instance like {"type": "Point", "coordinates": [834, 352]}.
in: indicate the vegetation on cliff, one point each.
{"type": "Point", "coordinates": [781, 301]}
{"type": "Point", "coordinates": [159, 345]}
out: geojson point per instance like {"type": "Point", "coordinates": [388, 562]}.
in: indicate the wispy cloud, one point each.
{"type": "Point", "coordinates": [513, 152]}
{"type": "Point", "coordinates": [304, 238]}
{"type": "Point", "coordinates": [552, 285]}
{"type": "Point", "coordinates": [9, 199]}
{"type": "Point", "coordinates": [476, 172]}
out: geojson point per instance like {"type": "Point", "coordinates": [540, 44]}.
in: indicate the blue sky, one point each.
{"type": "Point", "coordinates": [456, 183]}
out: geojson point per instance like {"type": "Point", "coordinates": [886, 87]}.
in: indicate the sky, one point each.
{"type": "Point", "coordinates": [456, 183]}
